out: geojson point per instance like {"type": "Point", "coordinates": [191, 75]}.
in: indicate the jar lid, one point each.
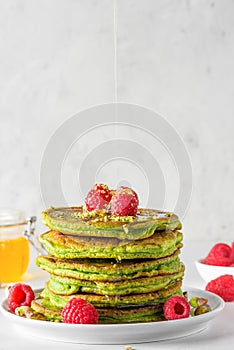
{"type": "Point", "coordinates": [11, 216]}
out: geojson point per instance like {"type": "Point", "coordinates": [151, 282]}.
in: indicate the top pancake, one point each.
{"type": "Point", "coordinates": [73, 221]}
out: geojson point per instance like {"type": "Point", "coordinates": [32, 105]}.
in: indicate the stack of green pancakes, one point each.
{"type": "Point", "coordinates": [127, 267]}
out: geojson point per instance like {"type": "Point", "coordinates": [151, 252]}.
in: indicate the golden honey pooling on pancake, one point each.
{"type": "Point", "coordinates": [127, 267]}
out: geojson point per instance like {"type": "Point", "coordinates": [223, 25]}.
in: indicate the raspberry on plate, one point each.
{"type": "Point", "coordinates": [176, 307]}
{"type": "Point", "coordinates": [220, 255]}
{"type": "Point", "coordinates": [124, 202]}
{"type": "Point", "coordinates": [98, 197]}
{"type": "Point", "coordinates": [78, 310]}
{"type": "Point", "coordinates": [20, 294]}
{"type": "Point", "coordinates": [222, 286]}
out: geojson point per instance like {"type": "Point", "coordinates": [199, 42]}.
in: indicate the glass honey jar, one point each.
{"type": "Point", "coordinates": [15, 234]}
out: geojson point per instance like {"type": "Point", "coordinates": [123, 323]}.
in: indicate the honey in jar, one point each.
{"type": "Point", "coordinates": [14, 247]}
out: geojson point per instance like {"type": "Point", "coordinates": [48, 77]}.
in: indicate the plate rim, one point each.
{"type": "Point", "coordinates": [204, 317]}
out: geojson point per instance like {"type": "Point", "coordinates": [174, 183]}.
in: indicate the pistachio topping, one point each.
{"type": "Point", "coordinates": [28, 312]}
{"type": "Point", "coordinates": [200, 310]}
{"type": "Point", "coordinates": [101, 215]}
{"type": "Point", "coordinates": [197, 301]}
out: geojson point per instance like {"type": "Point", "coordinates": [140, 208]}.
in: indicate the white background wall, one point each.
{"type": "Point", "coordinates": [173, 56]}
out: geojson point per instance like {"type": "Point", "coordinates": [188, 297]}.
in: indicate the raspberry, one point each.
{"type": "Point", "coordinates": [233, 250]}
{"type": "Point", "coordinates": [222, 286]}
{"type": "Point", "coordinates": [20, 295]}
{"type": "Point", "coordinates": [220, 255]}
{"type": "Point", "coordinates": [98, 197]}
{"type": "Point", "coordinates": [78, 310]}
{"type": "Point", "coordinates": [124, 202]}
{"type": "Point", "coordinates": [176, 307]}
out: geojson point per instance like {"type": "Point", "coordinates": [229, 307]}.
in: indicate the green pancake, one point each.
{"type": "Point", "coordinates": [68, 285]}
{"type": "Point", "coordinates": [111, 301]}
{"type": "Point", "coordinates": [105, 315]}
{"type": "Point", "coordinates": [46, 308]}
{"type": "Point", "coordinates": [131, 315]}
{"type": "Point", "coordinates": [160, 244]}
{"type": "Point", "coordinates": [109, 270]}
{"type": "Point", "coordinates": [76, 221]}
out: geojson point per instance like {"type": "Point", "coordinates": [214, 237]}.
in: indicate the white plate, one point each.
{"type": "Point", "coordinates": [118, 333]}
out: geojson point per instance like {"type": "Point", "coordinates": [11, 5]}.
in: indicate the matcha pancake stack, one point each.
{"type": "Point", "coordinates": [126, 266]}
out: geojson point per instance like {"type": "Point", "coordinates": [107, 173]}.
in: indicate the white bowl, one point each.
{"type": "Point", "coordinates": [210, 272]}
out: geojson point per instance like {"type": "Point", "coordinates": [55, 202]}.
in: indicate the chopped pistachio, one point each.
{"type": "Point", "coordinates": [23, 311]}
{"type": "Point", "coordinates": [202, 310]}
{"type": "Point", "coordinates": [101, 215]}
{"type": "Point", "coordinates": [197, 301]}
{"type": "Point", "coordinates": [192, 312]}
{"type": "Point", "coordinates": [125, 228]}
{"type": "Point", "coordinates": [28, 312]}
{"type": "Point", "coordinates": [38, 316]}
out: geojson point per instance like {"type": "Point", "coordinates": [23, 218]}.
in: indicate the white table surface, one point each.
{"type": "Point", "coordinates": [219, 334]}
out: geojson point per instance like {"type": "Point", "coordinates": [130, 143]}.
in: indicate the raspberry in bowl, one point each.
{"type": "Point", "coordinates": [219, 261]}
